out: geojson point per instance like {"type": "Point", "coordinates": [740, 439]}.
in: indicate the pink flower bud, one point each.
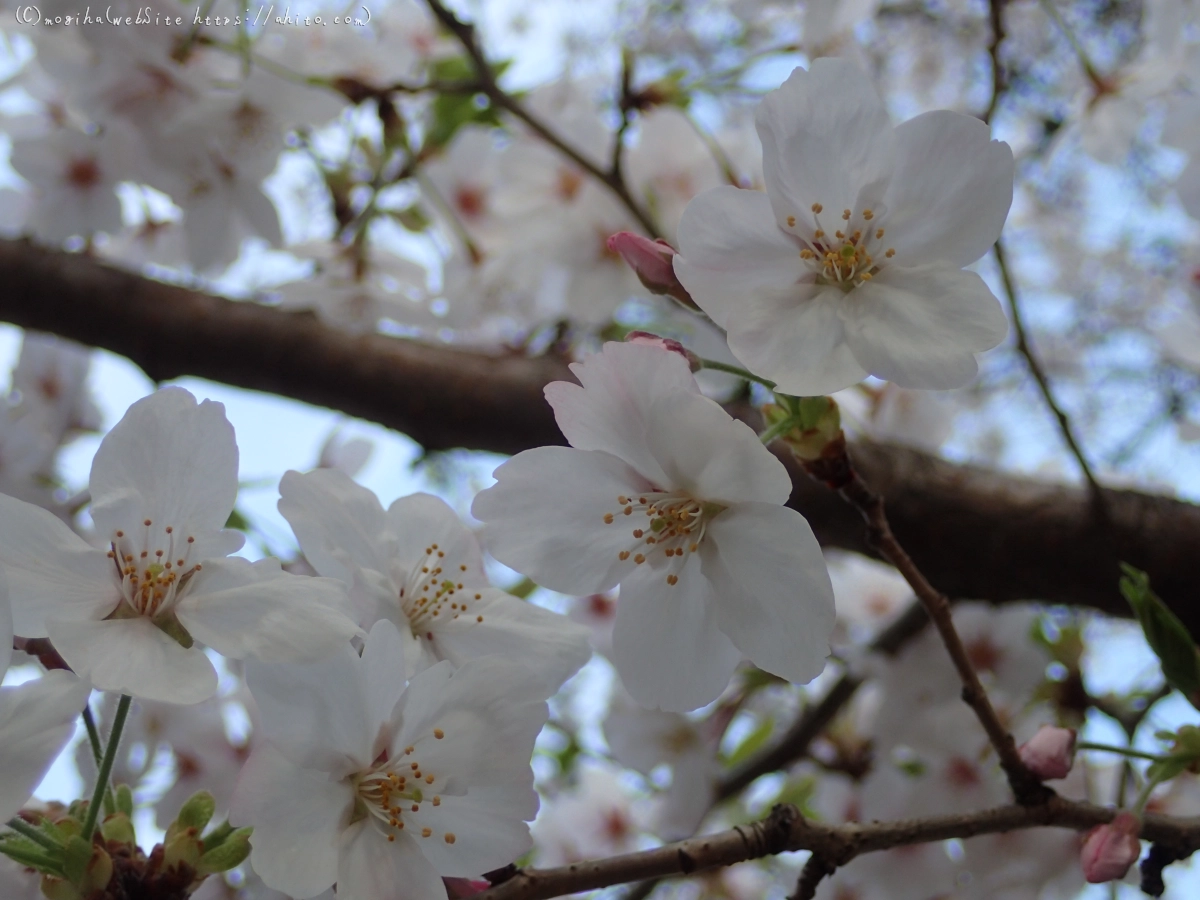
{"type": "Point", "coordinates": [457, 888]}
{"type": "Point", "coordinates": [1049, 753]}
{"type": "Point", "coordinates": [653, 340]}
{"type": "Point", "coordinates": [653, 263]}
{"type": "Point", "coordinates": [1109, 850]}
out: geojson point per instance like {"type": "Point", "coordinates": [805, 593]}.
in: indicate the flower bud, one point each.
{"type": "Point", "coordinates": [1049, 753]}
{"type": "Point", "coordinates": [457, 888]}
{"type": "Point", "coordinates": [653, 263]}
{"type": "Point", "coordinates": [1109, 850]}
{"type": "Point", "coordinates": [653, 340]}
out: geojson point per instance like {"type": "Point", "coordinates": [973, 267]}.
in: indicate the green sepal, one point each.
{"type": "Point", "coordinates": [58, 888]}
{"type": "Point", "coordinates": [124, 799]}
{"type": "Point", "coordinates": [29, 855]}
{"type": "Point", "coordinates": [181, 848]}
{"type": "Point", "coordinates": [1185, 754]}
{"type": "Point", "coordinates": [1165, 634]}
{"type": "Point", "coordinates": [197, 811]}
{"type": "Point", "coordinates": [119, 828]}
{"type": "Point", "coordinates": [231, 853]}
{"type": "Point", "coordinates": [217, 836]}
{"type": "Point", "coordinates": [76, 856]}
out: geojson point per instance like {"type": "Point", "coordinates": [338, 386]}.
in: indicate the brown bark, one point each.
{"type": "Point", "coordinates": [973, 532]}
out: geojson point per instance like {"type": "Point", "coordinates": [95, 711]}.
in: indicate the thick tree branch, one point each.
{"type": "Point", "coordinates": [785, 830]}
{"type": "Point", "coordinates": [973, 532]}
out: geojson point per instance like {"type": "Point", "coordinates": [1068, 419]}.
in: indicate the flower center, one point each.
{"type": "Point", "coordinates": [153, 570]}
{"type": "Point", "coordinates": [852, 255]}
{"type": "Point", "coordinates": [394, 792]}
{"type": "Point", "coordinates": [429, 596]}
{"type": "Point", "coordinates": [675, 530]}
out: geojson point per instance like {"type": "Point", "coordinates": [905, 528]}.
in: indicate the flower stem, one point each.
{"type": "Point", "coordinates": [734, 370]}
{"type": "Point", "coordinates": [89, 721]}
{"type": "Point", "coordinates": [1124, 751]}
{"type": "Point", "coordinates": [106, 765]}
{"type": "Point", "coordinates": [783, 426]}
{"type": "Point", "coordinates": [23, 828]}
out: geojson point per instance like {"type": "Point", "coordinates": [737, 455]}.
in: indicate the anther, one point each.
{"type": "Point", "coordinates": [818, 234]}
{"type": "Point", "coordinates": [429, 778]}
{"type": "Point", "coordinates": [120, 534]}
{"type": "Point", "coordinates": [891, 251]}
{"type": "Point", "coordinates": [868, 215]}
{"type": "Point", "coordinates": [845, 215]}
{"type": "Point", "coordinates": [637, 532]}
{"type": "Point", "coordinates": [791, 220]}
{"type": "Point", "coordinates": [437, 801]}
{"type": "Point", "coordinates": [426, 832]}
{"type": "Point", "coordinates": [628, 510]}
{"type": "Point", "coordinates": [147, 523]}
{"type": "Point", "coordinates": [169, 529]}
{"type": "Point", "coordinates": [416, 808]}
{"type": "Point", "coordinates": [878, 233]}
{"type": "Point", "coordinates": [479, 618]}
{"type": "Point", "coordinates": [438, 733]}
{"type": "Point", "coordinates": [672, 579]}
{"type": "Point", "coordinates": [623, 555]}
{"type": "Point", "coordinates": [817, 207]}
{"type": "Point", "coordinates": [639, 559]}
{"type": "Point", "coordinates": [450, 838]}
{"type": "Point", "coordinates": [608, 518]}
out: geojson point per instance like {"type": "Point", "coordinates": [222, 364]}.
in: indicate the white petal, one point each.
{"type": "Point", "coordinates": [245, 609]}
{"type": "Point", "coordinates": [51, 570]}
{"type": "Point", "coordinates": [544, 517]}
{"type": "Point", "coordinates": [1188, 187]}
{"type": "Point", "coordinates": [488, 833]}
{"type": "Point", "coordinates": [383, 675]}
{"type": "Point", "coordinates": [132, 656]}
{"type": "Point", "coordinates": [372, 868]}
{"type": "Point", "coordinates": [731, 253]}
{"type": "Point", "coordinates": [610, 411]}
{"type": "Point", "coordinates": [550, 644]}
{"type": "Point", "coordinates": [173, 462]}
{"type": "Point", "coordinates": [711, 455]}
{"type": "Point", "coordinates": [6, 626]}
{"type": "Point", "coordinates": [37, 719]}
{"type": "Point", "coordinates": [772, 591]}
{"type": "Point", "coordinates": [799, 342]}
{"type": "Point", "coordinates": [667, 647]}
{"type": "Point", "coordinates": [951, 191]}
{"type": "Point", "coordinates": [338, 523]}
{"type": "Point", "coordinates": [298, 816]}
{"type": "Point", "coordinates": [316, 714]}
{"type": "Point", "coordinates": [921, 327]}
{"type": "Point", "coordinates": [422, 520]}
{"type": "Point", "coordinates": [826, 139]}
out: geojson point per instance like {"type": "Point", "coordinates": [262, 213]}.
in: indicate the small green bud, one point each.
{"type": "Point", "coordinates": [59, 889]}
{"type": "Point", "coordinates": [124, 797]}
{"type": "Point", "coordinates": [217, 836]}
{"type": "Point", "coordinates": [99, 872]}
{"type": "Point", "coordinates": [182, 848]}
{"type": "Point", "coordinates": [117, 827]}
{"type": "Point", "coordinates": [231, 853]}
{"type": "Point", "coordinates": [197, 811]}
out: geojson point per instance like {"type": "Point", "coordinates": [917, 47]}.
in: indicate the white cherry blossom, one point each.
{"type": "Point", "coordinates": [163, 484]}
{"type": "Point", "coordinates": [662, 492]}
{"type": "Point", "coordinates": [365, 783]}
{"type": "Point", "coordinates": [417, 565]}
{"type": "Point", "coordinates": [851, 263]}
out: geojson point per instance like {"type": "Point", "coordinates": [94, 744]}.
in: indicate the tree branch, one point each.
{"type": "Point", "coordinates": [786, 830]}
{"type": "Point", "coordinates": [1040, 540]}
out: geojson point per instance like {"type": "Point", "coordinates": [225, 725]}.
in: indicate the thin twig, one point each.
{"type": "Point", "coordinates": [1035, 369]}
{"type": "Point", "coordinates": [999, 83]}
{"type": "Point", "coordinates": [465, 33]}
{"type": "Point", "coordinates": [815, 870]}
{"type": "Point", "coordinates": [625, 103]}
{"type": "Point", "coordinates": [1025, 785]}
{"type": "Point", "coordinates": [785, 830]}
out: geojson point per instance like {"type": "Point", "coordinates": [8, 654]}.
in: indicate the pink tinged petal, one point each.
{"type": "Point", "coordinates": [370, 867]}
{"type": "Point", "coordinates": [772, 591]}
{"type": "Point", "coordinates": [826, 139]}
{"type": "Point", "coordinates": [486, 831]}
{"type": "Point", "coordinates": [550, 644]}
{"type": "Point", "coordinates": [609, 408]}
{"type": "Point", "coordinates": [298, 816]}
{"type": "Point", "coordinates": [1109, 850]}
{"type": "Point", "coordinates": [799, 342]}
{"type": "Point", "coordinates": [133, 656]}
{"type": "Point", "coordinates": [950, 195]}
{"type": "Point", "coordinates": [732, 253]}
{"type": "Point", "coordinates": [711, 455]}
{"type": "Point", "coordinates": [338, 523]}
{"type": "Point", "coordinates": [243, 609]}
{"type": "Point", "coordinates": [920, 328]}
{"type": "Point", "coordinates": [1050, 753]}
{"type": "Point", "coordinates": [667, 646]}
{"type": "Point", "coordinates": [172, 461]}
{"type": "Point", "coordinates": [545, 517]}
{"type": "Point", "coordinates": [51, 570]}
{"type": "Point", "coordinates": [316, 714]}
{"type": "Point", "coordinates": [37, 719]}
{"type": "Point", "coordinates": [421, 520]}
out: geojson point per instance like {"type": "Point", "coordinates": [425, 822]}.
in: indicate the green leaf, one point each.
{"type": "Point", "coordinates": [751, 742]}
{"type": "Point", "coordinates": [450, 112]}
{"type": "Point", "coordinates": [238, 521]}
{"type": "Point", "coordinates": [1165, 634]}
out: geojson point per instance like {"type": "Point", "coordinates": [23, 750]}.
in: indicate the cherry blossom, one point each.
{"type": "Point", "coordinates": [714, 566]}
{"type": "Point", "coordinates": [852, 261]}
{"type": "Point", "coordinates": [369, 784]}
{"type": "Point", "coordinates": [417, 565]}
{"type": "Point", "coordinates": [163, 484]}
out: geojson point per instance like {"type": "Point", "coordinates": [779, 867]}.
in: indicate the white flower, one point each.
{"type": "Point", "coordinates": [163, 484]}
{"type": "Point", "coordinates": [667, 495]}
{"type": "Point", "coordinates": [364, 783]}
{"type": "Point", "coordinates": [37, 719]}
{"type": "Point", "coordinates": [852, 261]}
{"type": "Point", "coordinates": [419, 566]}
{"type": "Point", "coordinates": [51, 375]}
{"type": "Point", "coordinates": [593, 819]}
